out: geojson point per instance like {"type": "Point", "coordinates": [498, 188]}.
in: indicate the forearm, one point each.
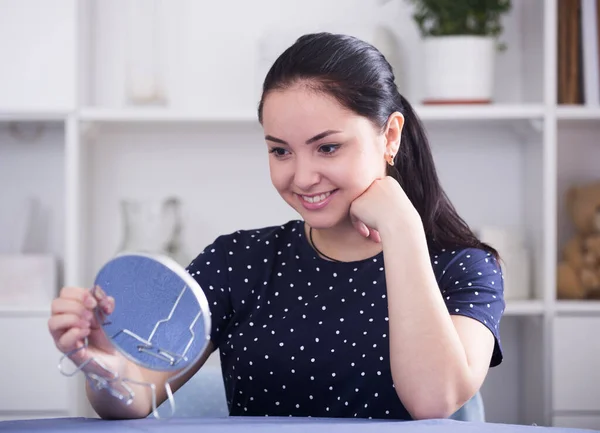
{"type": "Point", "coordinates": [109, 407]}
{"type": "Point", "coordinates": [428, 362]}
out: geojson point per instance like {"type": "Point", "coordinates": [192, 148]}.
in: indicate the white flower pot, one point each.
{"type": "Point", "coordinates": [459, 69]}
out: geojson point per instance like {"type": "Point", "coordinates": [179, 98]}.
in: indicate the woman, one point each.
{"type": "Point", "coordinates": [379, 303]}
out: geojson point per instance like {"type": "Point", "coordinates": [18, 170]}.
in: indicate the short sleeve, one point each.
{"type": "Point", "coordinates": [472, 285]}
{"type": "Point", "coordinates": [209, 269]}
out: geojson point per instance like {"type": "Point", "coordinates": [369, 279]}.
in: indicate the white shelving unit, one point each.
{"type": "Point", "coordinates": [505, 164]}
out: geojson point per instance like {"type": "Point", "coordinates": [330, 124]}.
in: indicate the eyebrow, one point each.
{"type": "Point", "coordinates": [309, 141]}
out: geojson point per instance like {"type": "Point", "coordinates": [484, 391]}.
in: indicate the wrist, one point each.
{"type": "Point", "coordinates": [407, 226]}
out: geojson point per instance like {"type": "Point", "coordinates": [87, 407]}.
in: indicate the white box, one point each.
{"type": "Point", "coordinates": [515, 260]}
{"type": "Point", "coordinates": [28, 280]}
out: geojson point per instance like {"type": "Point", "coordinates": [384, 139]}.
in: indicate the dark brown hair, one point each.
{"type": "Point", "coordinates": [359, 77]}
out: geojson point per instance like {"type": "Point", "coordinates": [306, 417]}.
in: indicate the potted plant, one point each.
{"type": "Point", "coordinates": [460, 43]}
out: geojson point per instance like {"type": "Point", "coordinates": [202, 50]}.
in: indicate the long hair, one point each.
{"type": "Point", "coordinates": [359, 77]}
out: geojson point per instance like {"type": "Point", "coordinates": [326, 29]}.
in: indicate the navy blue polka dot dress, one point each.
{"type": "Point", "coordinates": [303, 336]}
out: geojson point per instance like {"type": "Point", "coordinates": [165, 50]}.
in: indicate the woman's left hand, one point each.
{"type": "Point", "coordinates": [384, 202]}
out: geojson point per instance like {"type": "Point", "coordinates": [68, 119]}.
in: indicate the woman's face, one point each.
{"type": "Point", "coordinates": [321, 156]}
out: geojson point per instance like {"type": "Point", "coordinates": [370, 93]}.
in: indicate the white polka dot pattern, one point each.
{"type": "Point", "coordinates": [303, 336]}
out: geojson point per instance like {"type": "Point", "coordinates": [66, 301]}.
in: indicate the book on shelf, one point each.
{"type": "Point", "coordinates": [579, 52]}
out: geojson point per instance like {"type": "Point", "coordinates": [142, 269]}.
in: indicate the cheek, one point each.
{"type": "Point", "coordinates": [361, 170]}
{"type": "Point", "coordinates": [279, 175]}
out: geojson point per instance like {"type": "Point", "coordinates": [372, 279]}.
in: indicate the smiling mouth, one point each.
{"type": "Point", "coordinates": [317, 198]}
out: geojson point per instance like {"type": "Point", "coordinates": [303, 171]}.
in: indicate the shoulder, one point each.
{"type": "Point", "coordinates": [269, 236]}
{"type": "Point", "coordinates": [241, 253]}
{"type": "Point", "coordinates": [248, 243]}
{"type": "Point", "coordinates": [472, 285]}
{"type": "Point", "coordinates": [466, 266]}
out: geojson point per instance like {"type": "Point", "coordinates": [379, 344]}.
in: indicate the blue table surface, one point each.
{"type": "Point", "coordinates": [268, 424]}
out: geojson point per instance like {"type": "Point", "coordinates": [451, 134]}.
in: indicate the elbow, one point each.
{"type": "Point", "coordinates": [443, 405]}
{"type": "Point", "coordinates": [430, 409]}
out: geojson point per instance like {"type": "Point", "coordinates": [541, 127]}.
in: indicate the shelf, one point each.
{"type": "Point", "coordinates": [577, 112]}
{"type": "Point", "coordinates": [33, 115]}
{"type": "Point", "coordinates": [24, 311]}
{"type": "Point", "coordinates": [577, 307]}
{"type": "Point", "coordinates": [503, 164]}
{"type": "Point", "coordinates": [481, 112]}
{"type": "Point", "coordinates": [524, 308]}
{"type": "Point", "coordinates": [140, 115]}
{"type": "Point", "coordinates": [425, 112]}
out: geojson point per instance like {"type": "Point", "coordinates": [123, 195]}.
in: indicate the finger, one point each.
{"type": "Point", "coordinates": [107, 305]}
{"type": "Point", "coordinates": [364, 230]}
{"type": "Point", "coordinates": [68, 306]}
{"type": "Point", "coordinates": [80, 295]}
{"type": "Point", "coordinates": [75, 293]}
{"type": "Point", "coordinates": [104, 301]}
{"type": "Point", "coordinates": [105, 308]}
{"type": "Point", "coordinates": [360, 227]}
{"type": "Point", "coordinates": [375, 236]}
{"type": "Point", "coordinates": [70, 339]}
{"type": "Point", "coordinates": [98, 319]}
{"type": "Point", "coordinates": [356, 223]}
{"type": "Point", "coordinates": [98, 293]}
{"type": "Point", "coordinates": [63, 322]}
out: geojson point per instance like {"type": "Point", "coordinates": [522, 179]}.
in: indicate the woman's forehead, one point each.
{"type": "Point", "coordinates": [305, 111]}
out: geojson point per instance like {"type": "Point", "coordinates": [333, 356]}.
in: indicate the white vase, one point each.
{"type": "Point", "coordinates": [154, 227]}
{"type": "Point", "coordinates": [459, 69]}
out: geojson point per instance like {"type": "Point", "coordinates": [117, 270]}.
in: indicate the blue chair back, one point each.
{"type": "Point", "coordinates": [472, 411]}
{"type": "Point", "coordinates": [201, 396]}
{"type": "Point", "coordinates": [204, 396]}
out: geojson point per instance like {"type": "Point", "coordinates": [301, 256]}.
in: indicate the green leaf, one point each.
{"type": "Point", "coordinates": [460, 17]}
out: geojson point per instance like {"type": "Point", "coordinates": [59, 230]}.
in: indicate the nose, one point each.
{"type": "Point", "coordinates": [306, 174]}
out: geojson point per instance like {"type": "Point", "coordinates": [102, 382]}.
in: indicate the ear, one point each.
{"type": "Point", "coordinates": [393, 133]}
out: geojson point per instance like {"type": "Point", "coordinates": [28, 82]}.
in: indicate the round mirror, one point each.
{"type": "Point", "coordinates": [161, 319]}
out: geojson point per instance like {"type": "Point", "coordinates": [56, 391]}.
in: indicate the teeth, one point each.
{"type": "Point", "coordinates": [316, 198]}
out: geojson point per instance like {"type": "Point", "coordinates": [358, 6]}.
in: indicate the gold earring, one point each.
{"type": "Point", "coordinates": [390, 159]}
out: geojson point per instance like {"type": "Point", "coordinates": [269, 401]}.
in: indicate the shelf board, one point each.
{"type": "Point", "coordinates": [137, 115]}
{"type": "Point", "coordinates": [481, 112]}
{"type": "Point", "coordinates": [577, 307]}
{"type": "Point", "coordinates": [577, 112]}
{"type": "Point", "coordinates": [19, 115]}
{"type": "Point", "coordinates": [524, 308]}
{"type": "Point", "coordinates": [425, 112]}
{"type": "Point", "coordinates": [25, 311]}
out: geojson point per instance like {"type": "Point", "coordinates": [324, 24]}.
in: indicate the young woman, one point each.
{"type": "Point", "coordinates": [379, 302]}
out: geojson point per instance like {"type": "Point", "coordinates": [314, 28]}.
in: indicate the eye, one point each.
{"type": "Point", "coordinates": [328, 149]}
{"type": "Point", "coordinates": [278, 151]}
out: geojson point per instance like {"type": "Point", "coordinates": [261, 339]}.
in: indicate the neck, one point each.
{"type": "Point", "coordinates": [343, 243]}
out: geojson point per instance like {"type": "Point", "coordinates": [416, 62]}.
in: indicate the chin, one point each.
{"type": "Point", "coordinates": [321, 221]}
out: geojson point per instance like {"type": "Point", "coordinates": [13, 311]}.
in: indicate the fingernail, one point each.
{"type": "Point", "coordinates": [100, 293]}
{"type": "Point", "coordinates": [109, 306]}
{"type": "Point", "coordinates": [90, 302]}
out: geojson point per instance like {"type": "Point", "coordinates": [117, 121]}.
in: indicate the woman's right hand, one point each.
{"type": "Point", "coordinates": [73, 318]}
{"type": "Point", "coordinates": [78, 313]}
